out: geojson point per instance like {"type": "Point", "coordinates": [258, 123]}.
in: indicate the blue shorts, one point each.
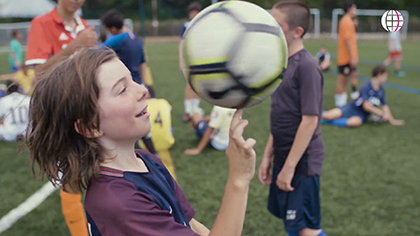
{"type": "Point", "coordinates": [348, 112]}
{"type": "Point", "coordinates": [201, 128]}
{"type": "Point", "coordinates": [300, 208]}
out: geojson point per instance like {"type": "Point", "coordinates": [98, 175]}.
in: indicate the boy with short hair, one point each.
{"type": "Point", "coordinates": [127, 45]}
{"type": "Point", "coordinates": [15, 57]}
{"type": "Point", "coordinates": [295, 139]}
{"type": "Point", "coordinates": [347, 55]}
{"type": "Point", "coordinates": [191, 99]}
{"type": "Point", "coordinates": [371, 101]}
{"type": "Point", "coordinates": [213, 130]}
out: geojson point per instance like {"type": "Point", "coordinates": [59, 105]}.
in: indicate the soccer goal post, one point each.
{"type": "Point", "coordinates": [369, 34]}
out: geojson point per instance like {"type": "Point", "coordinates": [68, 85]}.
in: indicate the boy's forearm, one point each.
{"type": "Point", "coordinates": [349, 48]}
{"type": "Point", "coordinates": [387, 112]}
{"type": "Point", "coordinates": [303, 138]}
{"type": "Point", "coordinates": [372, 109]}
{"type": "Point", "coordinates": [205, 139]}
{"type": "Point", "coordinates": [69, 50]}
{"type": "Point", "coordinates": [269, 150]}
{"type": "Point", "coordinates": [231, 215]}
{"type": "Point", "coordinates": [199, 228]}
{"type": "Point", "coordinates": [143, 69]}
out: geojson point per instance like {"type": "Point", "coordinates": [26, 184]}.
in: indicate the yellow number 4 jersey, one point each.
{"type": "Point", "coordinates": [160, 119]}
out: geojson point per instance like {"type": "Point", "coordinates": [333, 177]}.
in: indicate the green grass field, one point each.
{"type": "Point", "coordinates": [370, 176]}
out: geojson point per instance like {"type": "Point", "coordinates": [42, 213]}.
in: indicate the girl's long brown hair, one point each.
{"type": "Point", "coordinates": [67, 96]}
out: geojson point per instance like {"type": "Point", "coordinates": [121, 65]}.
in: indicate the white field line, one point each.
{"type": "Point", "coordinates": [27, 206]}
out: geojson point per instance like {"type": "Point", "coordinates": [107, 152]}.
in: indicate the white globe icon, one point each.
{"type": "Point", "coordinates": [392, 20]}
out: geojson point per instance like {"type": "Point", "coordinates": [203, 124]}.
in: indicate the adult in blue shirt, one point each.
{"type": "Point", "coordinates": [15, 57]}
{"type": "Point", "coordinates": [127, 45]}
{"type": "Point", "coordinates": [371, 101]}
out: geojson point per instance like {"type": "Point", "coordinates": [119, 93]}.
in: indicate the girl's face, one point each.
{"type": "Point", "coordinates": [122, 104]}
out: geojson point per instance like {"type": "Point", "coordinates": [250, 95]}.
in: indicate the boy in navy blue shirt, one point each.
{"type": "Point", "coordinates": [295, 140]}
{"type": "Point", "coordinates": [127, 45]}
{"type": "Point", "coordinates": [371, 101]}
{"type": "Point", "coordinates": [129, 48]}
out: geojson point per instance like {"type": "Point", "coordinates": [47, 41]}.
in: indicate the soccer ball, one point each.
{"type": "Point", "coordinates": [233, 54]}
{"type": "Point", "coordinates": [376, 119]}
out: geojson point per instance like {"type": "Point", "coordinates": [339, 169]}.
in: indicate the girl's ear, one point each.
{"type": "Point", "coordinates": [88, 133]}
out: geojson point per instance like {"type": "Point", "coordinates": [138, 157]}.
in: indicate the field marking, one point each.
{"type": "Point", "coordinates": [27, 206]}
{"type": "Point", "coordinates": [389, 85]}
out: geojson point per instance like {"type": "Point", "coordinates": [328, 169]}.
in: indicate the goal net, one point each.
{"type": "Point", "coordinates": [369, 26]}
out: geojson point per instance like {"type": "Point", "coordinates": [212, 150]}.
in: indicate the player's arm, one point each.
{"type": "Point", "coordinates": [310, 92]}
{"type": "Point", "coordinates": [350, 50]}
{"type": "Point", "coordinates": [13, 54]}
{"type": "Point", "coordinates": [143, 71]}
{"type": "Point", "coordinates": [302, 139]}
{"type": "Point", "coordinates": [264, 170]}
{"type": "Point", "coordinates": [6, 77]}
{"type": "Point", "coordinates": [179, 56]}
{"type": "Point", "coordinates": [373, 109]}
{"type": "Point", "coordinates": [202, 144]}
{"type": "Point", "coordinates": [199, 228]}
{"type": "Point", "coordinates": [390, 117]}
{"type": "Point", "coordinates": [326, 63]}
{"type": "Point", "coordinates": [86, 38]}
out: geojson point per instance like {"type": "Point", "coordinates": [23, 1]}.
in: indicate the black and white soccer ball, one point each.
{"type": "Point", "coordinates": [233, 54]}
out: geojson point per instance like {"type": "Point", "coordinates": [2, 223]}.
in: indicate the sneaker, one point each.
{"type": "Point", "coordinates": [399, 73]}
{"type": "Point", "coordinates": [354, 95]}
{"type": "Point", "coordinates": [340, 99]}
{"type": "Point", "coordinates": [186, 117]}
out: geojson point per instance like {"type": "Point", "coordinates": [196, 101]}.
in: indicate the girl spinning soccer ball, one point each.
{"type": "Point", "coordinates": [87, 113]}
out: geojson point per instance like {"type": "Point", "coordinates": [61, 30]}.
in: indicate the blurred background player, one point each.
{"type": "Point", "coordinates": [14, 113]}
{"type": "Point", "coordinates": [58, 34]}
{"type": "Point", "coordinates": [295, 138]}
{"type": "Point", "coordinates": [371, 101]}
{"type": "Point", "coordinates": [15, 56]}
{"type": "Point", "coordinates": [191, 99]}
{"type": "Point", "coordinates": [161, 130]}
{"type": "Point", "coordinates": [53, 37]}
{"type": "Point", "coordinates": [347, 55]}
{"type": "Point", "coordinates": [129, 48]}
{"type": "Point", "coordinates": [213, 130]}
{"type": "Point", "coordinates": [395, 53]}
{"type": "Point", "coordinates": [324, 58]}
{"type": "Point", "coordinates": [24, 77]}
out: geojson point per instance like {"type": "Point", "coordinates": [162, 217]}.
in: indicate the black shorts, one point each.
{"type": "Point", "coordinates": [300, 208]}
{"type": "Point", "coordinates": [346, 69]}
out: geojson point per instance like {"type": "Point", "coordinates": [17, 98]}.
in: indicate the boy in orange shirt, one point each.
{"type": "Point", "coordinates": [52, 37]}
{"type": "Point", "coordinates": [347, 55]}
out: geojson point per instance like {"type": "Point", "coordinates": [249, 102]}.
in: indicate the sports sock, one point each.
{"type": "Point", "coordinates": [188, 106]}
{"type": "Point", "coordinates": [322, 233]}
{"type": "Point", "coordinates": [74, 213]}
{"type": "Point", "coordinates": [195, 103]}
{"type": "Point", "coordinates": [340, 122]}
{"type": "Point", "coordinates": [292, 233]}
